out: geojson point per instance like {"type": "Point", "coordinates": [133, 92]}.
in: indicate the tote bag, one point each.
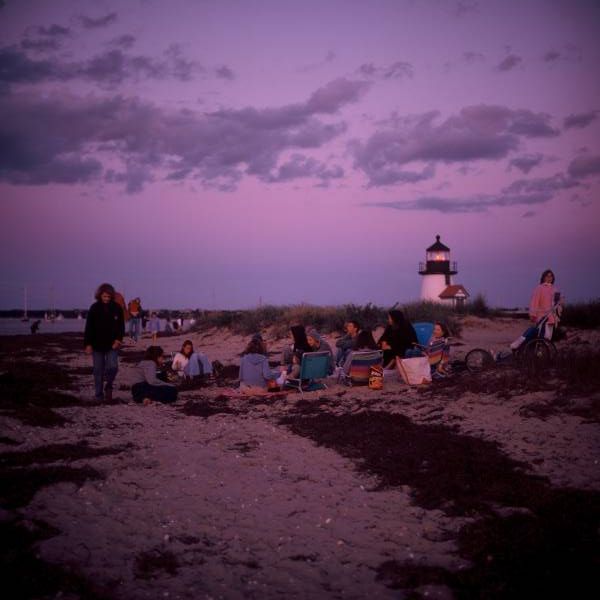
{"type": "Point", "coordinates": [414, 371]}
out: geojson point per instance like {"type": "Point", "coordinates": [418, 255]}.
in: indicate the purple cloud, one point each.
{"type": "Point", "coordinates": [225, 72]}
{"type": "Point", "coordinates": [105, 21]}
{"type": "Point", "coordinates": [64, 139]}
{"type": "Point", "coordinates": [509, 63]}
{"type": "Point", "coordinates": [580, 120]}
{"type": "Point", "coordinates": [476, 133]}
{"type": "Point", "coordinates": [475, 204]}
{"type": "Point", "coordinates": [299, 166]}
{"type": "Point", "coordinates": [584, 166]}
{"type": "Point", "coordinates": [526, 162]}
{"type": "Point", "coordinates": [53, 31]}
{"type": "Point", "coordinates": [107, 69]}
{"type": "Point", "coordinates": [125, 41]}
{"type": "Point", "coordinates": [472, 57]}
{"type": "Point", "coordinates": [397, 70]}
{"type": "Point", "coordinates": [570, 53]}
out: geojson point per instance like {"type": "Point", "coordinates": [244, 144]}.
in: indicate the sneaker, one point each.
{"type": "Point", "coordinates": [108, 396]}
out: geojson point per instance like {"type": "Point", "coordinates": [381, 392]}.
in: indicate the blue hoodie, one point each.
{"type": "Point", "coordinates": [255, 370]}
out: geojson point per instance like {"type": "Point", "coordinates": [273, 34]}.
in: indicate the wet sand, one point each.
{"type": "Point", "coordinates": [480, 486]}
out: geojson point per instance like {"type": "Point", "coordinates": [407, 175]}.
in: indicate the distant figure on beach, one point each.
{"type": "Point", "coordinates": [135, 318]}
{"type": "Point", "coordinates": [147, 387]}
{"type": "Point", "coordinates": [318, 344]}
{"type": "Point", "coordinates": [364, 340]}
{"type": "Point", "coordinates": [120, 300]}
{"type": "Point", "coordinates": [347, 342]}
{"type": "Point", "coordinates": [255, 372]}
{"type": "Point", "coordinates": [35, 326]}
{"type": "Point", "coordinates": [545, 296]}
{"type": "Point", "coordinates": [398, 337]}
{"type": "Point", "coordinates": [154, 324]}
{"type": "Point", "coordinates": [104, 331]}
{"type": "Point", "coordinates": [190, 363]}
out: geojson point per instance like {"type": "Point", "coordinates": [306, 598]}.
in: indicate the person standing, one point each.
{"type": "Point", "coordinates": [135, 318]}
{"type": "Point", "coordinates": [543, 301]}
{"type": "Point", "coordinates": [104, 331]}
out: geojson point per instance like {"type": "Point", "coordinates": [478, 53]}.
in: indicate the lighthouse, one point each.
{"type": "Point", "coordinates": [437, 272]}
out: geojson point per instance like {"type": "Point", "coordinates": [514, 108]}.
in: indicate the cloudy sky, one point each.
{"type": "Point", "coordinates": [224, 153]}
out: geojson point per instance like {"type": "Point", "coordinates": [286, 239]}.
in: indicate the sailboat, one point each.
{"type": "Point", "coordinates": [52, 316]}
{"type": "Point", "coordinates": [25, 316]}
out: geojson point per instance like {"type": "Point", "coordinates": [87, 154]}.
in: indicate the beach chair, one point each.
{"type": "Point", "coordinates": [314, 366]}
{"type": "Point", "coordinates": [424, 332]}
{"type": "Point", "coordinates": [360, 367]}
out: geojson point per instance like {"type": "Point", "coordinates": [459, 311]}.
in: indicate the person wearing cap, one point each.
{"type": "Point", "coordinates": [318, 344]}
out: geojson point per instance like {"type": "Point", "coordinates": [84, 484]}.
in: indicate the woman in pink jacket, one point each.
{"type": "Point", "coordinates": [544, 297]}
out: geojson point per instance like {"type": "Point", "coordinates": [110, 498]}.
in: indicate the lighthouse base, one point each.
{"type": "Point", "coordinates": [432, 286]}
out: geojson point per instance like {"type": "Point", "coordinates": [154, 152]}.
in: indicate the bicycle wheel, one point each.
{"type": "Point", "coordinates": [538, 353]}
{"type": "Point", "coordinates": [478, 359]}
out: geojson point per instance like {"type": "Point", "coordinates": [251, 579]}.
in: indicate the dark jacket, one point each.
{"type": "Point", "coordinates": [103, 326]}
{"type": "Point", "coordinates": [399, 338]}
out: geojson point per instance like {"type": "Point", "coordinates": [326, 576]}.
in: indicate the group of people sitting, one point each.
{"type": "Point", "coordinates": [256, 375]}
{"type": "Point", "coordinates": [105, 329]}
{"type": "Point", "coordinates": [399, 340]}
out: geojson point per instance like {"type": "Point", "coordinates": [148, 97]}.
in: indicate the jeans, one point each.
{"type": "Point", "coordinates": [198, 365]}
{"type": "Point", "coordinates": [106, 365]}
{"type": "Point", "coordinates": [135, 326]}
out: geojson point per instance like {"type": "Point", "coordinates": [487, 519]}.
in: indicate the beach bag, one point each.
{"type": "Point", "coordinates": [376, 377]}
{"type": "Point", "coordinates": [414, 371]}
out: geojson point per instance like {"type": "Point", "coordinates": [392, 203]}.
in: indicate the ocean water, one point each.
{"type": "Point", "coordinates": [18, 327]}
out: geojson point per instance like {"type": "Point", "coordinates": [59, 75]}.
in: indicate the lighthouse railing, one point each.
{"type": "Point", "coordinates": [438, 267]}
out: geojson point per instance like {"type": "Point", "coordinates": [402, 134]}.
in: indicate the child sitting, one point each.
{"type": "Point", "coordinates": [146, 385]}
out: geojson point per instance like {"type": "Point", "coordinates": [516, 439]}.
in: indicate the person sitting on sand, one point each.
{"type": "Point", "coordinates": [318, 344]}
{"type": "Point", "coordinates": [437, 351]}
{"type": "Point", "coordinates": [398, 337]}
{"type": "Point", "coordinates": [189, 363]}
{"type": "Point", "coordinates": [346, 343]}
{"type": "Point", "coordinates": [255, 372]}
{"type": "Point", "coordinates": [147, 386]}
{"type": "Point", "coordinates": [364, 341]}
{"type": "Point", "coordinates": [35, 326]}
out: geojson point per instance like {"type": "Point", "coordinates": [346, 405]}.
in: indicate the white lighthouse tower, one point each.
{"type": "Point", "coordinates": [437, 272]}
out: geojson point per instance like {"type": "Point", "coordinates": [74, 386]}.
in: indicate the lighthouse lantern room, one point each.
{"type": "Point", "coordinates": [437, 272]}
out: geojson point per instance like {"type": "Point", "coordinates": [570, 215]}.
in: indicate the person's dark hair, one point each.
{"type": "Point", "coordinates": [256, 346]}
{"type": "Point", "coordinates": [153, 353]}
{"type": "Point", "coordinates": [397, 318]}
{"type": "Point", "coordinates": [547, 272]}
{"type": "Point", "coordinates": [105, 288]}
{"type": "Point", "coordinates": [365, 340]}
{"type": "Point", "coordinates": [187, 343]}
{"type": "Point", "coordinates": [445, 331]}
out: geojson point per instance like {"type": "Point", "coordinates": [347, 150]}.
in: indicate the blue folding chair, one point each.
{"type": "Point", "coordinates": [424, 332]}
{"type": "Point", "coordinates": [314, 366]}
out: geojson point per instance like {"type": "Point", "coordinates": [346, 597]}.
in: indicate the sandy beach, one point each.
{"type": "Point", "coordinates": [479, 486]}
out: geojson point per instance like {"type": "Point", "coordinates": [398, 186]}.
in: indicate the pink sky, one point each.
{"type": "Point", "coordinates": [218, 154]}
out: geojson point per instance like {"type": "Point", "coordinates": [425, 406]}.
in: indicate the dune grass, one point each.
{"type": "Point", "coordinates": [325, 319]}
